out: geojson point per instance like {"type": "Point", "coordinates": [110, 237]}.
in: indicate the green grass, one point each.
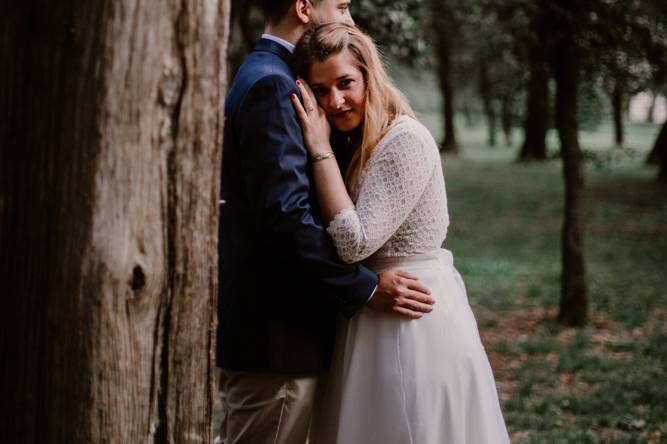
{"type": "Point", "coordinates": [604, 383]}
{"type": "Point", "coordinates": [606, 397]}
{"type": "Point", "coordinates": [506, 220]}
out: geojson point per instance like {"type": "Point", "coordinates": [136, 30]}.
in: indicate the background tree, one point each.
{"type": "Point", "coordinates": [246, 23]}
{"type": "Point", "coordinates": [660, 148]}
{"type": "Point", "coordinates": [655, 42]}
{"type": "Point", "coordinates": [492, 52]}
{"type": "Point", "coordinates": [109, 170]}
{"type": "Point", "coordinates": [622, 60]}
{"type": "Point", "coordinates": [445, 28]}
{"type": "Point", "coordinates": [571, 31]}
{"type": "Point", "coordinates": [528, 35]}
{"type": "Point", "coordinates": [397, 26]}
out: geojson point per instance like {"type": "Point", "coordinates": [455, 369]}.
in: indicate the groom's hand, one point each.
{"type": "Point", "coordinates": [400, 293]}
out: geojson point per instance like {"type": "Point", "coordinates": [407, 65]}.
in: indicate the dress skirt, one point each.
{"type": "Point", "coordinates": [399, 381]}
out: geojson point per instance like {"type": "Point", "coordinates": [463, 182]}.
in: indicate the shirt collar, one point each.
{"type": "Point", "coordinates": [285, 43]}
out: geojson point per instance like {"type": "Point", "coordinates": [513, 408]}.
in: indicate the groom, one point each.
{"type": "Point", "coordinates": [281, 281]}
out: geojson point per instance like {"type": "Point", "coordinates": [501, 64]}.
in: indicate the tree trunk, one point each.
{"type": "Point", "coordinates": [443, 48]}
{"type": "Point", "coordinates": [536, 123]}
{"type": "Point", "coordinates": [573, 303]}
{"type": "Point", "coordinates": [651, 108]}
{"type": "Point", "coordinates": [242, 35]}
{"type": "Point", "coordinates": [487, 101]}
{"type": "Point", "coordinates": [109, 181]}
{"type": "Point", "coordinates": [660, 150]}
{"type": "Point", "coordinates": [467, 114]}
{"type": "Point", "coordinates": [449, 144]}
{"type": "Point", "coordinates": [653, 157]}
{"type": "Point", "coordinates": [507, 117]}
{"type": "Point", "coordinates": [617, 107]}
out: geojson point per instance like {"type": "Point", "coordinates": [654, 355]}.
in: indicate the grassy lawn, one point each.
{"type": "Point", "coordinates": [604, 383]}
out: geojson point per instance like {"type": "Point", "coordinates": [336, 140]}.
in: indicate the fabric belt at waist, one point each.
{"type": "Point", "coordinates": [428, 259]}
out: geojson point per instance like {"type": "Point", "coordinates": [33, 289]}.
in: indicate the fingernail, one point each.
{"type": "Point", "coordinates": [298, 82]}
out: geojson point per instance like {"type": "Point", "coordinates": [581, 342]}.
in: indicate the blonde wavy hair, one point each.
{"type": "Point", "coordinates": [384, 102]}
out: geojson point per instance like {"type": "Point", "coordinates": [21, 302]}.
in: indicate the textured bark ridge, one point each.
{"type": "Point", "coordinates": [111, 133]}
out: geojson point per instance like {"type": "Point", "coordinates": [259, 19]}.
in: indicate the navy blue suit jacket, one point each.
{"type": "Point", "coordinates": [282, 283]}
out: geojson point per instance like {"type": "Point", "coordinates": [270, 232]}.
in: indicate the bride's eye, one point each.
{"type": "Point", "coordinates": [345, 83]}
{"type": "Point", "coordinates": [318, 91]}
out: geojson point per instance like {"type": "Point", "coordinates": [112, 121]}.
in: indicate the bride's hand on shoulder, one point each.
{"type": "Point", "coordinates": [316, 129]}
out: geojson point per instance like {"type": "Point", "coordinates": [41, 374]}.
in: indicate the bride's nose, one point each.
{"type": "Point", "coordinates": [336, 100]}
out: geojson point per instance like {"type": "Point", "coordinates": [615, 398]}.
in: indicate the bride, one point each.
{"type": "Point", "coordinates": [393, 380]}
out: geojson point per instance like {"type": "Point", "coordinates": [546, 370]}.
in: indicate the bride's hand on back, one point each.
{"type": "Point", "coordinates": [316, 129]}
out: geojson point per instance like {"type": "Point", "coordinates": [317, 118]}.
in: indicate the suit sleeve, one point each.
{"type": "Point", "coordinates": [277, 184]}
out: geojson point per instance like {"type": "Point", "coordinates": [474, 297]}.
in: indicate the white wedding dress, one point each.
{"type": "Point", "coordinates": [394, 380]}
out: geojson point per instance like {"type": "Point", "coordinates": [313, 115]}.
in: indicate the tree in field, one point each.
{"type": "Point", "coordinates": [398, 26]}
{"type": "Point", "coordinates": [445, 28]}
{"type": "Point", "coordinates": [660, 148]}
{"type": "Point", "coordinates": [584, 42]}
{"type": "Point", "coordinates": [500, 74]}
{"type": "Point", "coordinates": [570, 28]}
{"type": "Point", "coordinates": [550, 39]}
{"type": "Point", "coordinates": [485, 90]}
{"type": "Point", "coordinates": [111, 135]}
{"type": "Point", "coordinates": [659, 145]}
{"type": "Point", "coordinates": [506, 38]}
{"type": "Point", "coordinates": [620, 32]}
{"type": "Point", "coordinates": [655, 42]}
{"type": "Point", "coordinates": [537, 110]}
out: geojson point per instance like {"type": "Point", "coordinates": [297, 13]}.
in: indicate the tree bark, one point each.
{"type": "Point", "coordinates": [536, 123]}
{"type": "Point", "coordinates": [443, 48]}
{"type": "Point", "coordinates": [573, 303]}
{"type": "Point", "coordinates": [485, 92]}
{"type": "Point", "coordinates": [617, 107]}
{"type": "Point", "coordinates": [467, 114]}
{"type": "Point", "coordinates": [660, 150]}
{"type": "Point", "coordinates": [653, 157]}
{"type": "Point", "coordinates": [507, 117]}
{"type": "Point", "coordinates": [109, 181]}
{"type": "Point", "coordinates": [651, 108]}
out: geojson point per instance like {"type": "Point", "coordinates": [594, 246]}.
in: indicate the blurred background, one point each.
{"type": "Point", "coordinates": [551, 120]}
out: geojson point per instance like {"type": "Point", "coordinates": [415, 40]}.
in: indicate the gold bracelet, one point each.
{"type": "Point", "coordinates": [323, 156]}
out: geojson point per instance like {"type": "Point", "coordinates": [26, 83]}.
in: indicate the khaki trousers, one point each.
{"type": "Point", "coordinates": [266, 408]}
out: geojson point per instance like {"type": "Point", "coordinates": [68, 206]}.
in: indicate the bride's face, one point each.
{"type": "Point", "coordinates": [340, 89]}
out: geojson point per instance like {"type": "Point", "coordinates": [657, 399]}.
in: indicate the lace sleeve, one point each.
{"type": "Point", "coordinates": [395, 178]}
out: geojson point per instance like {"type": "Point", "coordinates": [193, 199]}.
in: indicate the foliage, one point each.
{"type": "Point", "coordinates": [397, 26]}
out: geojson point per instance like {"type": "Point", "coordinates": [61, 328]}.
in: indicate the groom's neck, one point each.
{"type": "Point", "coordinates": [286, 31]}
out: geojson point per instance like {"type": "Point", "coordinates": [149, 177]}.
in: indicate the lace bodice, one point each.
{"type": "Point", "coordinates": [400, 203]}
